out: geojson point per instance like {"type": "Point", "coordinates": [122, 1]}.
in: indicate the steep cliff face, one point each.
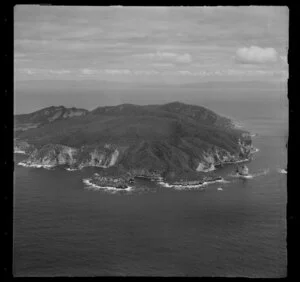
{"type": "Point", "coordinates": [52, 155]}
{"type": "Point", "coordinates": [101, 157]}
{"type": "Point", "coordinates": [218, 156]}
{"type": "Point", "coordinates": [146, 162]}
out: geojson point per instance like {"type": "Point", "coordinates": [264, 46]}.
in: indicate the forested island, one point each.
{"type": "Point", "coordinates": [175, 141]}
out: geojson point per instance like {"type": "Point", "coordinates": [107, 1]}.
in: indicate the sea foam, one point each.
{"type": "Point", "coordinates": [19, 152]}
{"type": "Point", "coordinates": [250, 176]}
{"type": "Point", "coordinates": [185, 187]}
{"type": "Point", "coordinates": [71, 169]}
{"type": "Point", "coordinates": [89, 184]}
{"type": "Point", "coordinates": [35, 165]}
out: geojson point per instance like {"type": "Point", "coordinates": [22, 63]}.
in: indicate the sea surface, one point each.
{"type": "Point", "coordinates": [62, 227]}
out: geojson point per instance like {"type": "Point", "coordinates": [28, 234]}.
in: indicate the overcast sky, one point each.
{"type": "Point", "coordinates": [154, 45]}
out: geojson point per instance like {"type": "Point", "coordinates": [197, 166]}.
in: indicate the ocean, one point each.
{"type": "Point", "coordinates": [62, 227]}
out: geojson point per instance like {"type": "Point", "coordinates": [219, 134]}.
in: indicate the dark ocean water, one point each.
{"type": "Point", "coordinates": [62, 228]}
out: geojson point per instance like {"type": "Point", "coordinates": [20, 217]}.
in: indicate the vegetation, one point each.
{"type": "Point", "coordinates": [164, 138]}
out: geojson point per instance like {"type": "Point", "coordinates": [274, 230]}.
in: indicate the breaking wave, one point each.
{"type": "Point", "coordinates": [71, 169]}
{"type": "Point", "coordinates": [20, 152]}
{"type": "Point", "coordinates": [90, 185]}
{"type": "Point", "coordinates": [36, 165]}
{"type": "Point", "coordinates": [185, 187]}
{"type": "Point", "coordinates": [250, 176]}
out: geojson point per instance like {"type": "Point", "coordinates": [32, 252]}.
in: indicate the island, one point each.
{"type": "Point", "coordinates": [174, 142]}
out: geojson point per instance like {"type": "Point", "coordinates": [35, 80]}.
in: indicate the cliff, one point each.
{"type": "Point", "coordinates": [145, 140]}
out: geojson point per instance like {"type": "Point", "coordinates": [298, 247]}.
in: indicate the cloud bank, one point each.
{"type": "Point", "coordinates": [256, 55]}
{"type": "Point", "coordinates": [177, 44]}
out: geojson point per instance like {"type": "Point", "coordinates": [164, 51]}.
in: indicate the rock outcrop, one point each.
{"type": "Point", "coordinates": [22, 147]}
{"type": "Point", "coordinates": [242, 170]}
{"type": "Point", "coordinates": [218, 156]}
{"type": "Point", "coordinates": [52, 155]}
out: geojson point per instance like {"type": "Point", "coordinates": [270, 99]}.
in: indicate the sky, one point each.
{"type": "Point", "coordinates": [57, 45]}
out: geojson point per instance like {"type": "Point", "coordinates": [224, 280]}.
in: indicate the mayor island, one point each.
{"type": "Point", "coordinates": [174, 145]}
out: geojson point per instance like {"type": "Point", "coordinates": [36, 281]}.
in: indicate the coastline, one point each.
{"type": "Point", "coordinates": [36, 165]}
{"type": "Point", "coordinates": [214, 167]}
{"type": "Point", "coordinates": [181, 186]}
{"type": "Point", "coordinates": [20, 152]}
{"type": "Point", "coordinates": [88, 183]}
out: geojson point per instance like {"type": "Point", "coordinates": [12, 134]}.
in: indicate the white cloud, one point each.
{"type": "Point", "coordinates": [117, 71]}
{"type": "Point", "coordinates": [284, 59]}
{"type": "Point", "coordinates": [232, 72]}
{"type": "Point", "coordinates": [28, 71]}
{"type": "Point", "coordinates": [185, 58]}
{"type": "Point", "coordinates": [59, 71]}
{"type": "Point", "coordinates": [160, 56]}
{"type": "Point", "coordinates": [43, 72]}
{"type": "Point", "coordinates": [19, 55]}
{"type": "Point", "coordinates": [256, 55]}
{"type": "Point", "coordinates": [88, 71]}
{"type": "Point", "coordinates": [145, 72]}
{"type": "Point", "coordinates": [163, 65]}
{"type": "Point", "coordinates": [185, 72]}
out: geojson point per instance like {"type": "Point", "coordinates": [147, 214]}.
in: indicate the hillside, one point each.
{"type": "Point", "coordinates": [170, 137]}
{"type": "Point", "coordinates": [46, 115]}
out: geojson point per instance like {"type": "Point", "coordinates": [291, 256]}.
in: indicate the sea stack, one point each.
{"type": "Point", "coordinates": [243, 170]}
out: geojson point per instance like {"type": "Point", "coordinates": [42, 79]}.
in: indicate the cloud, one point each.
{"type": "Point", "coordinates": [28, 71]}
{"type": "Point", "coordinates": [232, 72]}
{"type": "Point", "coordinates": [19, 55]}
{"type": "Point", "coordinates": [145, 72]}
{"type": "Point", "coordinates": [163, 65]}
{"type": "Point", "coordinates": [87, 71]}
{"type": "Point", "coordinates": [284, 59]}
{"type": "Point", "coordinates": [185, 72]}
{"type": "Point", "coordinates": [117, 71]}
{"type": "Point", "coordinates": [161, 56]}
{"type": "Point", "coordinates": [256, 55]}
{"type": "Point", "coordinates": [59, 71]}
{"type": "Point", "coordinates": [185, 58]}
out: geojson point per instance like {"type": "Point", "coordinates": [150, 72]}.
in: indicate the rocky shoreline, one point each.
{"type": "Point", "coordinates": [109, 182]}
{"type": "Point", "coordinates": [52, 156]}
{"type": "Point", "coordinates": [127, 183]}
{"type": "Point", "coordinates": [192, 184]}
